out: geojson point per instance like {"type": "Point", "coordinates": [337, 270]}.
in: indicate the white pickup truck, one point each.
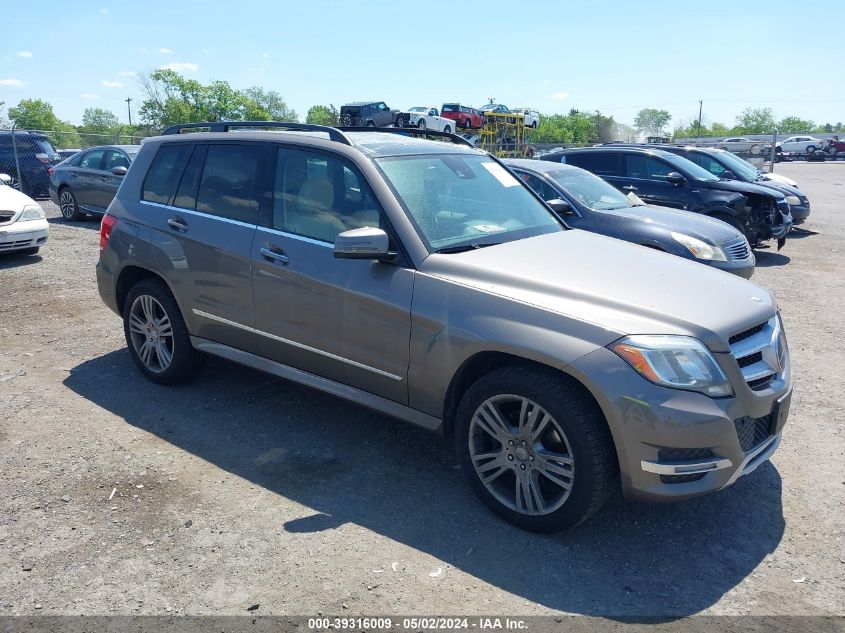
{"type": "Point", "coordinates": [425, 118]}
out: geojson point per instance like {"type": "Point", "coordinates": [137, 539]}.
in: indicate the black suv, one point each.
{"type": "Point", "coordinates": [661, 178]}
{"type": "Point", "coordinates": [35, 155]}
{"type": "Point", "coordinates": [729, 166]}
{"type": "Point", "coordinates": [367, 114]}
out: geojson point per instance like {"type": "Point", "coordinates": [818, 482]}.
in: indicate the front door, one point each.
{"type": "Point", "coordinates": [346, 320]}
{"type": "Point", "coordinates": [85, 179]}
{"type": "Point", "coordinates": [646, 177]}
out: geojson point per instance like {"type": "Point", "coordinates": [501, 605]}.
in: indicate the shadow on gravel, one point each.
{"type": "Point", "coordinates": [800, 233]}
{"type": "Point", "coordinates": [765, 259]}
{"type": "Point", "coordinates": [630, 561]}
{"type": "Point", "coordinates": [87, 222]}
{"type": "Point", "coordinates": [16, 260]}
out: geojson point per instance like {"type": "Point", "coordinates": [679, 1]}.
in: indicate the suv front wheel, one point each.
{"type": "Point", "coordinates": [156, 334]}
{"type": "Point", "coordinates": [535, 448]}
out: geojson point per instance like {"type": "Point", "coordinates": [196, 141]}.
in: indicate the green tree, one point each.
{"type": "Point", "coordinates": [34, 114]}
{"type": "Point", "coordinates": [755, 121]}
{"type": "Point", "coordinates": [171, 98]}
{"type": "Point", "coordinates": [322, 115]}
{"type": "Point", "coordinates": [652, 121]}
{"type": "Point", "coordinates": [795, 125]}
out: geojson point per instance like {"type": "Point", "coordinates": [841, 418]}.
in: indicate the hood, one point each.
{"type": "Point", "coordinates": [785, 188]}
{"type": "Point", "coordinates": [710, 230]}
{"type": "Point", "coordinates": [741, 187]}
{"type": "Point", "coordinates": [13, 200]}
{"type": "Point", "coordinates": [620, 287]}
{"type": "Point", "coordinates": [779, 178]}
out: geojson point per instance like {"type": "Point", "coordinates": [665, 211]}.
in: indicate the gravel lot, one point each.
{"type": "Point", "coordinates": [118, 496]}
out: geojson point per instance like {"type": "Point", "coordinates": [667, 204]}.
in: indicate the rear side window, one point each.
{"type": "Point", "coordinates": [93, 159]}
{"type": "Point", "coordinates": [230, 182]}
{"type": "Point", "coordinates": [186, 194]}
{"type": "Point", "coordinates": [601, 164]}
{"type": "Point", "coordinates": [646, 167]}
{"type": "Point", "coordinates": [165, 170]}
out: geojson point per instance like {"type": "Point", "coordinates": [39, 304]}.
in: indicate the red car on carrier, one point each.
{"type": "Point", "coordinates": [464, 116]}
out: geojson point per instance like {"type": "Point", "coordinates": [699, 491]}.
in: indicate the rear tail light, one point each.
{"type": "Point", "coordinates": [50, 172]}
{"type": "Point", "coordinates": [106, 228]}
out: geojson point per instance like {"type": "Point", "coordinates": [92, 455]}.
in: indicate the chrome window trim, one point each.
{"type": "Point", "coordinates": [200, 214]}
{"type": "Point", "coordinates": [295, 236]}
{"type": "Point", "coordinates": [308, 348]}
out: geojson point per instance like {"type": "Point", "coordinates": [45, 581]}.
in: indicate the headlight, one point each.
{"type": "Point", "coordinates": [31, 212]}
{"type": "Point", "coordinates": [699, 249]}
{"type": "Point", "coordinates": [793, 200]}
{"type": "Point", "coordinates": [680, 362]}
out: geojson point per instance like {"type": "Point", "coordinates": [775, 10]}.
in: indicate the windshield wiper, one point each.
{"type": "Point", "coordinates": [462, 248]}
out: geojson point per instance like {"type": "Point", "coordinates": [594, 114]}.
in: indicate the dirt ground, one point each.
{"type": "Point", "coordinates": [118, 496]}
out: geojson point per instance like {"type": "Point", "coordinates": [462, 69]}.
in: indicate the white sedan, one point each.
{"type": "Point", "coordinates": [23, 227]}
{"type": "Point", "coordinates": [800, 145]}
{"type": "Point", "coordinates": [424, 118]}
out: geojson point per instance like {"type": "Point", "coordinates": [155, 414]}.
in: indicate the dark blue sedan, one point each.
{"type": "Point", "coordinates": [585, 201]}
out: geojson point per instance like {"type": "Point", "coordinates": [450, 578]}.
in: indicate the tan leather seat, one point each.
{"type": "Point", "coordinates": [313, 215]}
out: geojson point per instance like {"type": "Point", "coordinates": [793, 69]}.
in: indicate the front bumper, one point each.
{"type": "Point", "coordinates": [743, 268]}
{"type": "Point", "coordinates": [22, 235]}
{"type": "Point", "coordinates": [799, 212]}
{"type": "Point", "coordinates": [674, 444]}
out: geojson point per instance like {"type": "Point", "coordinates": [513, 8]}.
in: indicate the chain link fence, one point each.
{"type": "Point", "coordinates": [27, 156]}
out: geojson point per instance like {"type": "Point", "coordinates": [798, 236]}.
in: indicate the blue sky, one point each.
{"type": "Point", "coordinates": [613, 56]}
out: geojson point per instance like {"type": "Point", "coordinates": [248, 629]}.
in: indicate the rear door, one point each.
{"type": "Point", "coordinates": [646, 176]}
{"type": "Point", "coordinates": [85, 179]}
{"type": "Point", "coordinates": [204, 199]}
{"type": "Point", "coordinates": [346, 320]}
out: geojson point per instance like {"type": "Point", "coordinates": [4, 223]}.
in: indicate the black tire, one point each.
{"type": "Point", "coordinates": [186, 361]}
{"type": "Point", "coordinates": [69, 206]}
{"type": "Point", "coordinates": [811, 149]}
{"type": "Point", "coordinates": [447, 129]}
{"type": "Point", "coordinates": [585, 430]}
{"type": "Point", "coordinates": [371, 123]}
{"type": "Point", "coordinates": [752, 241]}
{"type": "Point", "coordinates": [831, 149]}
{"type": "Point", "coordinates": [468, 123]}
{"type": "Point", "coordinates": [421, 124]}
{"type": "Point", "coordinates": [30, 251]}
{"type": "Point", "coordinates": [398, 122]}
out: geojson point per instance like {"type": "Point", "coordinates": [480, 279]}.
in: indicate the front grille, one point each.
{"type": "Point", "coordinates": [745, 361]}
{"type": "Point", "coordinates": [17, 244]}
{"type": "Point", "coordinates": [738, 251]}
{"type": "Point", "coordinates": [760, 353]}
{"type": "Point", "coordinates": [736, 338]}
{"type": "Point", "coordinates": [751, 432]}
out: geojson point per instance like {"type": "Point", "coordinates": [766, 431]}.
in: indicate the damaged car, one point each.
{"type": "Point", "coordinates": [664, 179]}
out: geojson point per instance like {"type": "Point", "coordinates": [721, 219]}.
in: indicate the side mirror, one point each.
{"type": "Point", "coordinates": [364, 243]}
{"type": "Point", "coordinates": [675, 179]}
{"type": "Point", "coordinates": [120, 170]}
{"type": "Point", "coordinates": [728, 175]}
{"type": "Point", "coordinates": [5, 178]}
{"type": "Point", "coordinates": [560, 206]}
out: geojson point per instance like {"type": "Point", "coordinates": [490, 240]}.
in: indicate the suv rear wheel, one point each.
{"type": "Point", "coordinates": [156, 334]}
{"type": "Point", "coordinates": [535, 448]}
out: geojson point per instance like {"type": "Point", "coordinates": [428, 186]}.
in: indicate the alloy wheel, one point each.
{"type": "Point", "coordinates": [521, 455]}
{"type": "Point", "coordinates": [151, 333]}
{"type": "Point", "coordinates": [67, 204]}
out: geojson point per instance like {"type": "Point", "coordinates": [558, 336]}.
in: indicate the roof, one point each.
{"type": "Point", "coordinates": [540, 166]}
{"type": "Point", "coordinates": [360, 103]}
{"type": "Point", "coordinates": [643, 149]}
{"type": "Point", "coordinates": [393, 144]}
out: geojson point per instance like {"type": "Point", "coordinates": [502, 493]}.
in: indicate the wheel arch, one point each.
{"type": "Point", "coordinates": [130, 275]}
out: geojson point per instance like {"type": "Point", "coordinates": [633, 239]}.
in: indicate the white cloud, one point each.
{"type": "Point", "coordinates": [111, 84]}
{"type": "Point", "coordinates": [205, 51]}
{"type": "Point", "coordinates": [547, 81]}
{"type": "Point", "coordinates": [260, 69]}
{"type": "Point", "coordinates": [26, 54]}
{"type": "Point", "coordinates": [181, 67]}
{"type": "Point", "coordinates": [265, 55]}
{"type": "Point", "coordinates": [142, 50]}
{"type": "Point", "coordinates": [15, 83]}
{"type": "Point", "coordinates": [127, 73]}
{"type": "Point", "coordinates": [105, 11]}
{"type": "Point", "coordinates": [166, 51]}
{"type": "Point", "coordinates": [559, 95]}
{"type": "Point", "coordinates": [90, 95]}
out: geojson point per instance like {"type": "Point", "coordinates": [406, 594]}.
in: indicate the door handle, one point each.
{"type": "Point", "coordinates": [178, 224]}
{"type": "Point", "coordinates": [629, 188]}
{"type": "Point", "coordinates": [274, 256]}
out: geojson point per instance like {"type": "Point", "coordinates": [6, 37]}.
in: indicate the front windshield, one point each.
{"type": "Point", "coordinates": [740, 167]}
{"type": "Point", "coordinates": [699, 173]}
{"type": "Point", "coordinates": [465, 200]}
{"type": "Point", "coordinates": [590, 190]}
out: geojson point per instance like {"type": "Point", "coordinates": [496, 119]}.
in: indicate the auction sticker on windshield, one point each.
{"type": "Point", "coordinates": [500, 174]}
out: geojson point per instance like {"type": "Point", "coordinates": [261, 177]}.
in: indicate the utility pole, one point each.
{"type": "Point", "coordinates": [700, 105]}
{"type": "Point", "coordinates": [129, 109]}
